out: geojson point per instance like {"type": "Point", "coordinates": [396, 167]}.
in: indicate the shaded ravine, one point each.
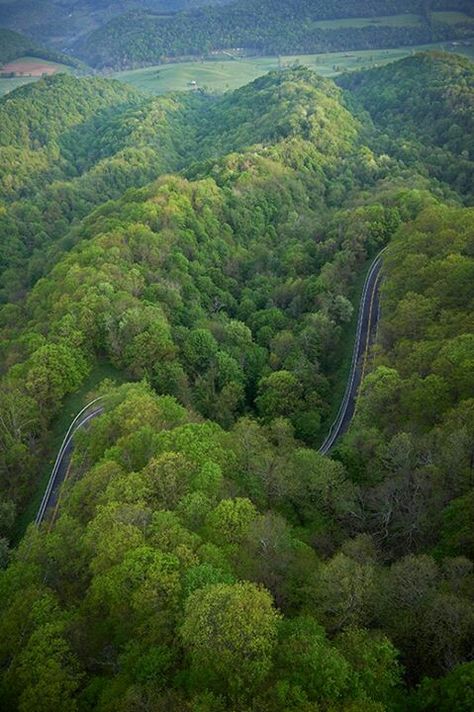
{"type": "Point", "coordinates": [366, 330]}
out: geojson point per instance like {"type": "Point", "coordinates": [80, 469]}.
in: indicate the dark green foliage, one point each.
{"type": "Point", "coordinates": [58, 22]}
{"type": "Point", "coordinates": [68, 145]}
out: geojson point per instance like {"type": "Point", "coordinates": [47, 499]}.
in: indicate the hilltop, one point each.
{"type": "Point", "coordinates": [436, 125]}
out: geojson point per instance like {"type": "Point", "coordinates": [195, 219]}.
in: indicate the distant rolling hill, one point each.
{"type": "Point", "coordinates": [273, 27]}
{"type": "Point", "coordinates": [58, 22]}
{"type": "Point", "coordinates": [436, 125]}
{"type": "Point", "coordinates": [14, 45]}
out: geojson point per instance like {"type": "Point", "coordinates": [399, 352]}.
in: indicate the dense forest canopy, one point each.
{"type": "Point", "coordinates": [210, 251]}
{"type": "Point", "coordinates": [436, 125]}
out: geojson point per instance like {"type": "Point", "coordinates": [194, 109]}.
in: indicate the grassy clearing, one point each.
{"type": "Point", "coordinates": [452, 18]}
{"type": "Point", "coordinates": [213, 75]}
{"type": "Point", "coordinates": [230, 74]}
{"type": "Point", "coordinates": [71, 406]}
{"type": "Point", "coordinates": [25, 65]}
{"type": "Point", "coordinates": [404, 20]}
{"type": "Point", "coordinates": [8, 85]}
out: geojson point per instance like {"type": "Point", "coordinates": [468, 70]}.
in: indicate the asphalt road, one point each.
{"type": "Point", "coordinates": [366, 331]}
{"type": "Point", "coordinates": [50, 501]}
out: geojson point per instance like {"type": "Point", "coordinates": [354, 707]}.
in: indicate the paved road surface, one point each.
{"type": "Point", "coordinates": [365, 335]}
{"type": "Point", "coordinates": [61, 466]}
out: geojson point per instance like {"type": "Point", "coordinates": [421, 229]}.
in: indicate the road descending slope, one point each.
{"type": "Point", "coordinates": [366, 330]}
{"type": "Point", "coordinates": [63, 459]}
{"type": "Point", "coordinates": [365, 334]}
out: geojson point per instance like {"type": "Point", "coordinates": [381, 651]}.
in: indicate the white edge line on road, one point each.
{"type": "Point", "coordinates": [67, 438]}
{"type": "Point", "coordinates": [332, 434]}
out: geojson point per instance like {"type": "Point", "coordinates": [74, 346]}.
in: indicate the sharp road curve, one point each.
{"type": "Point", "coordinates": [365, 334]}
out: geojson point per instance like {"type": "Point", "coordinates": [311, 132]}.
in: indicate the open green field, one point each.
{"type": "Point", "coordinates": [27, 65]}
{"type": "Point", "coordinates": [230, 74]}
{"type": "Point", "coordinates": [8, 85]}
{"type": "Point", "coordinates": [404, 20]}
{"type": "Point", "coordinates": [452, 18]}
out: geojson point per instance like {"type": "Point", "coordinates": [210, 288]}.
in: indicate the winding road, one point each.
{"type": "Point", "coordinates": [366, 331]}
{"type": "Point", "coordinates": [51, 497]}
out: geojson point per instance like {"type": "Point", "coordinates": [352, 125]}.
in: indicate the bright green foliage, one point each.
{"type": "Point", "coordinates": [374, 659]}
{"type": "Point", "coordinates": [230, 632]}
{"type": "Point", "coordinates": [436, 124]}
{"type": "Point", "coordinates": [145, 560]}
{"type": "Point", "coordinates": [280, 395]}
{"type": "Point", "coordinates": [314, 666]}
{"type": "Point", "coordinates": [228, 523]}
{"type": "Point", "coordinates": [156, 282]}
{"type": "Point", "coordinates": [47, 672]}
{"type": "Point", "coordinates": [455, 691]}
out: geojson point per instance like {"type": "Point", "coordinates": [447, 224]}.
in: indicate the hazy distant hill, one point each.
{"type": "Point", "coordinates": [14, 45]}
{"type": "Point", "coordinates": [270, 27]}
{"type": "Point", "coordinates": [59, 21]}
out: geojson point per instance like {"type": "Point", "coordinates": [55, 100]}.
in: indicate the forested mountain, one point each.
{"type": "Point", "coordinates": [205, 557]}
{"type": "Point", "coordinates": [268, 27]}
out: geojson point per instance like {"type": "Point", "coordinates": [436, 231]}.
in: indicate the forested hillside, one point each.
{"type": "Point", "coordinates": [68, 145]}
{"type": "Point", "coordinates": [14, 45]}
{"type": "Point", "coordinates": [436, 125]}
{"type": "Point", "coordinates": [58, 22]}
{"type": "Point", "coordinates": [211, 249]}
{"type": "Point", "coordinates": [267, 27]}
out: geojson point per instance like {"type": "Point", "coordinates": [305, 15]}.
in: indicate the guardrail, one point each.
{"type": "Point", "coordinates": [333, 430]}
{"type": "Point", "coordinates": [73, 428]}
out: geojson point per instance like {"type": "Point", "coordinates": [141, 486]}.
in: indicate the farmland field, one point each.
{"type": "Point", "coordinates": [404, 20]}
{"type": "Point", "coordinates": [32, 66]}
{"type": "Point", "coordinates": [8, 85]}
{"type": "Point", "coordinates": [230, 74]}
{"type": "Point", "coordinates": [27, 69]}
{"type": "Point", "coordinates": [453, 18]}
